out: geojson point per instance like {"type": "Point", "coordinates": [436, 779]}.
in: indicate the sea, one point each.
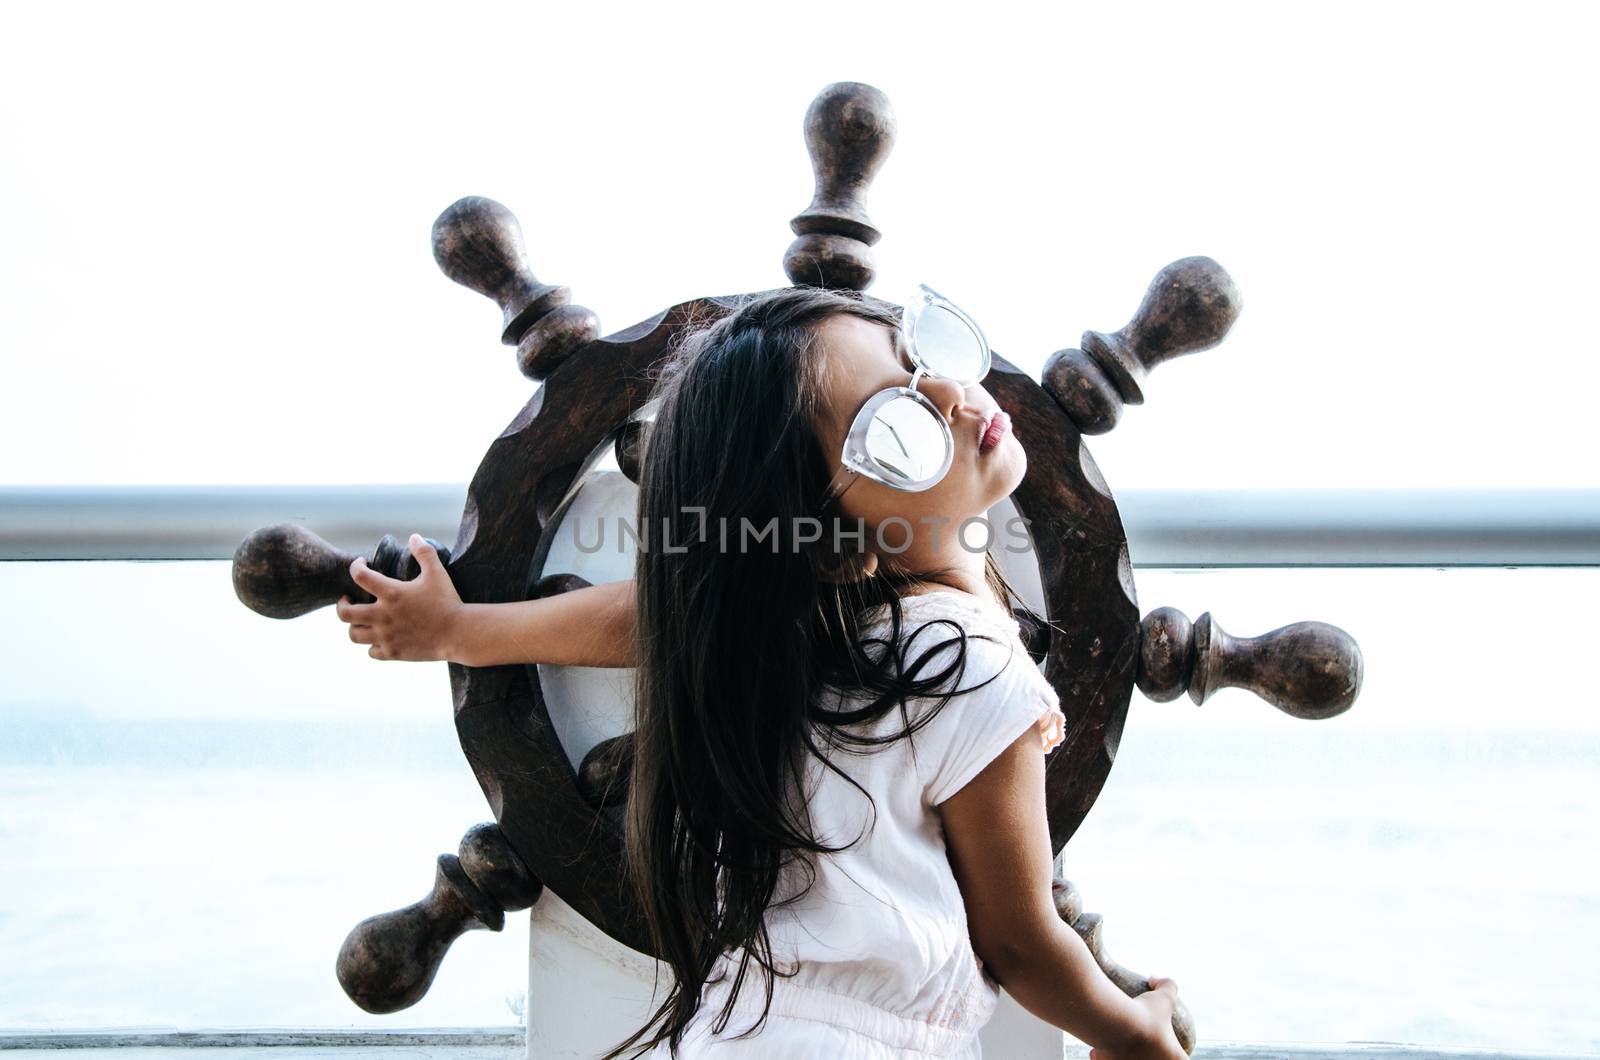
{"type": "Point", "coordinates": [1302, 881]}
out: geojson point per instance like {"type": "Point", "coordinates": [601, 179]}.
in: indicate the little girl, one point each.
{"type": "Point", "coordinates": [836, 819]}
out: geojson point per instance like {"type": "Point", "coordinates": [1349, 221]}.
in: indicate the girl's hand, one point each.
{"type": "Point", "coordinates": [414, 621]}
{"type": "Point", "coordinates": [1159, 1041]}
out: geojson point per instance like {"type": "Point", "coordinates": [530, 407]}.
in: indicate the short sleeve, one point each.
{"type": "Point", "coordinates": [971, 730]}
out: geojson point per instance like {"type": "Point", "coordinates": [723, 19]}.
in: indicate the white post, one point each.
{"type": "Point", "coordinates": [586, 991]}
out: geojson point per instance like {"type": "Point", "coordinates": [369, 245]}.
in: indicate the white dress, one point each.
{"type": "Point", "coordinates": [884, 967]}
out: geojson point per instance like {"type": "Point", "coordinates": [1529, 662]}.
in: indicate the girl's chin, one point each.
{"type": "Point", "coordinates": [1003, 468]}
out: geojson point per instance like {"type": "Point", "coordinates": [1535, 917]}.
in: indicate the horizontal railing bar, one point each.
{"type": "Point", "coordinates": [1361, 528]}
{"type": "Point", "coordinates": [208, 522]}
{"type": "Point", "coordinates": [1166, 528]}
{"type": "Point", "coordinates": [243, 1038]}
{"type": "Point", "coordinates": [513, 1037]}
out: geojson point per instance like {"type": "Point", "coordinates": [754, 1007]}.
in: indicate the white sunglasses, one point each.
{"type": "Point", "coordinates": [899, 437]}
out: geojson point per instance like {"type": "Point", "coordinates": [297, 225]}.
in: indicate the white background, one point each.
{"type": "Point", "coordinates": [214, 219]}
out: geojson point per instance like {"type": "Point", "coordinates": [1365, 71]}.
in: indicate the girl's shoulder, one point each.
{"type": "Point", "coordinates": [928, 628]}
{"type": "Point", "coordinates": [1002, 691]}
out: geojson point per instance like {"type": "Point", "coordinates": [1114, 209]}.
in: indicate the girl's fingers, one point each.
{"type": "Point", "coordinates": [361, 634]}
{"type": "Point", "coordinates": [357, 613]}
{"type": "Point", "coordinates": [427, 558]}
{"type": "Point", "coordinates": [369, 579]}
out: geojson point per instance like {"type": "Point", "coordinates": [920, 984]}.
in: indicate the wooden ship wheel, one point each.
{"type": "Point", "coordinates": [550, 746]}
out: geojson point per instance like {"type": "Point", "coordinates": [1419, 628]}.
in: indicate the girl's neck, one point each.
{"type": "Point", "coordinates": [960, 581]}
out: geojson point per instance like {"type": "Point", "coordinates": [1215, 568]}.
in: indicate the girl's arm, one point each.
{"type": "Point", "coordinates": [998, 842]}
{"type": "Point", "coordinates": [592, 626]}
{"type": "Point", "coordinates": [425, 620]}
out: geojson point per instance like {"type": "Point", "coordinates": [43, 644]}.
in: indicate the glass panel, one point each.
{"type": "Point", "coordinates": [215, 799]}
{"type": "Point", "coordinates": [1419, 869]}
{"type": "Point", "coordinates": [197, 804]}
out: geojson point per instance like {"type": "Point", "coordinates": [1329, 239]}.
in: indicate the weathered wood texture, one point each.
{"type": "Point", "coordinates": [1189, 306]}
{"type": "Point", "coordinates": [1089, 926]}
{"type": "Point", "coordinates": [504, 722]}
{"type": "Point", "coordinates": [388, 961]}
{"type": "Point", "coordinates": [849, 130]}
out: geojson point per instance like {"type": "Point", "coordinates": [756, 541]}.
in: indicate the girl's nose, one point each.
{"type": "Point", "coordinates": [946, 394]}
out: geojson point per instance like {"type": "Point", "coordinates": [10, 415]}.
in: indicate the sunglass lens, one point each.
{"type": "Point", "coordinates": [948, 346]}
{"type": "Point", "coordinates": [905, 443]}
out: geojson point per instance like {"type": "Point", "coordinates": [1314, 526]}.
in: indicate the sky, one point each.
{"type": "Point", "coordinates": [214, 219]}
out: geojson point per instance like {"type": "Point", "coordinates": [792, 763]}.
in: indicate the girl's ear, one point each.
{"type": "Point", "coordinates": [852, 570]}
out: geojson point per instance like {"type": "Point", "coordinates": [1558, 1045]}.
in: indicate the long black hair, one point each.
{"type": "Point", "coordinates": [738, 636]}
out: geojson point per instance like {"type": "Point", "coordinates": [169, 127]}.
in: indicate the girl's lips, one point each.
{"type": "Point", "coordinates": [991, 432]}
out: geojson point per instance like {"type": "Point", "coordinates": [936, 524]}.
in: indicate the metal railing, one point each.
{"type": "Point", "coordinates": [1166, 528]}
{"type": "Point", "coordinates": [498, 1042]}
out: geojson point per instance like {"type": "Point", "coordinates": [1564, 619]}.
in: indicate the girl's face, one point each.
{"type": "Point", "coordinates": [862, 357]}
